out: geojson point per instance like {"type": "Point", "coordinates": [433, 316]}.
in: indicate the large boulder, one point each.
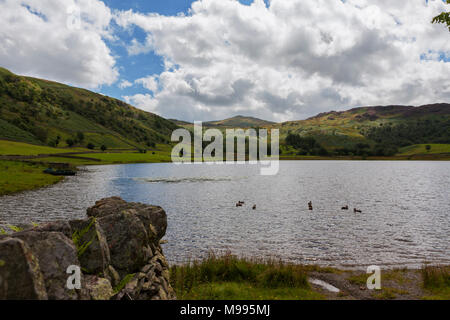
{"type": "Point", "coordinates": [127, 240]}
{"type": "Point", "coordinates": [56, 226]}
{"type": "Point", "coordinates": [149, 215]}
{"type": "Point", "coordinates": [55, 253]}
{"type": "Point", "coordinates": [92, 248]}
{"type": "Point", "coordinates": [20, 275]}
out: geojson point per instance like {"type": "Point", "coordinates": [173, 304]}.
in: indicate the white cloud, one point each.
{"type": "Point", "coordinates": [40, 38]}
{"type": "Point", "coordinates": [150, 83]}
{"type": "Point", "coordinates": [124, 84]}
{"type": "Point", "coordinates": [292, 59]}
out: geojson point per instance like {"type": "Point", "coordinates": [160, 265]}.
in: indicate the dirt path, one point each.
{"type": "Point", "coordinates": [398, 284]}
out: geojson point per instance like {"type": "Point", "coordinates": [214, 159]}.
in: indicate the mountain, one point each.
{"type": "Point", "coordinates": [385, 128]}
{"type": "Point", "coordinates": [239, 122]}
{"type": "Point", "coordinates": [49, 113]}
{"type": "Point", "coordinates": [234, 122]}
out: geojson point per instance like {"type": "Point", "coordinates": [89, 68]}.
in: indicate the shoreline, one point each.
{"type": "Point", "coordinates": [76, 161]}
{"type": "Point", "coordinates": [231, 277]}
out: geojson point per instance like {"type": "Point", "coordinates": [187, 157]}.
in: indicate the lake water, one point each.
{"type": "Point", "coordinates": [405, 217]}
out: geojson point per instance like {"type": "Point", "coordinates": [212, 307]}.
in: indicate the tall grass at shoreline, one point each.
{"type": "Point", "coordinates": [436, 279]}
{"type": "Point", "coordinates": [222, 277]}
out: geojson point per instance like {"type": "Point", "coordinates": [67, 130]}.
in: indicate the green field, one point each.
{"type": "Point", "coordinates": [20, 176]}
{"type": "Point", "coordinates": [26, 174]}
{"type": "Point", "coordinates": [25, 149]}
{"type": "Point", "coordinates": [421, 149]}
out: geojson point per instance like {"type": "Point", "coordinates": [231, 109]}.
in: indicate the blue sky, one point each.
{"type": "Point", "coordinates": [136, 67]}
{"type": "Point", "coordinates": [219, 58]}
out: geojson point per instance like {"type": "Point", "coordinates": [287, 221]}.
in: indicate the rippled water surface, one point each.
{"type": "Point", "coordinates": [405, 219]}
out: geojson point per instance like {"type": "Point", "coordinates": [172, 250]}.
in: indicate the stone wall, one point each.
{"type": "Point", "coordinates": [117, 248]}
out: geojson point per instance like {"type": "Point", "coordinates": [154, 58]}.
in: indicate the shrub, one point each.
{"type": "Point", "coordinates": [70, 142]}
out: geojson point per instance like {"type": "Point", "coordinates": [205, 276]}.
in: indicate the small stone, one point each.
{"type": "Point", "coordinates": [99, 288]}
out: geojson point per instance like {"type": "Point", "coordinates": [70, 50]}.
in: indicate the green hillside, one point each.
{"type": "Point", "coordinates": [380, 131]}
{"type": "Point", "coordinates": [48, 113]}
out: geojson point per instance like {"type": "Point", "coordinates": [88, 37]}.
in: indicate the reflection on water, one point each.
{"type": "Point", "coordinates": [405, 219]}
{"type": "Point", "coordinates": [179, 180]}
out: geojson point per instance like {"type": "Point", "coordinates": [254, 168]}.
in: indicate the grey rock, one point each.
{"type": "Point", "coordinates": [55, 253]}
{"type": "Point", "coordinates": [20, 275]}
{"type": "Point", "coordinates": [56, 226]}
{"type": "Point", "coordinates": [126, 238]}
{"type": "Point", "coordinates": [154, 218]}
{"type": "Point", "coordinates": [92, 248]}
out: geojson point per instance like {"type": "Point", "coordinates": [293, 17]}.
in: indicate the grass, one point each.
{"type": "Point", "coordinates": [20, 176]}
{"type": "Point", "coordinates": [360, 279]}
{"type": "Point", "coordinates": [397, 275]}
{"type": "Point", "coordinates": [388, 293]}
{"type": "Point", "coordinates": [247, 291]}
{"type": "Point", "coordinates": [436, 281]}
{"type": "Point", "coordinates": [25, 149]}
{"type": "Point", "coordinates": [228, 276]}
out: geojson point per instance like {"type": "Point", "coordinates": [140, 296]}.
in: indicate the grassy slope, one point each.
{"type": "Point", "coordinates": [38, 111]}
{"type": "Point", "coordinates": [20, 148]}
{"type": "Point", "coordinates": [421, 149]}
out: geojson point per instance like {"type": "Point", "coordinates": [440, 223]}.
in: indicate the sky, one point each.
{"type": "Point", "coordinates": [205, 60]}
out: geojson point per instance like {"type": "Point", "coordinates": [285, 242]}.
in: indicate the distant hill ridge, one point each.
{"type": "Point", "coordinates": [392, 111]}
{"type": "Point", "coordinates": [49, 113]}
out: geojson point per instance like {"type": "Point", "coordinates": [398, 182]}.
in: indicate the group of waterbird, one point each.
{"type": "Point", "coordinates": [343, 208]}
{"type": "Point", "coordinates": [241, 203]}
{"type": "Point", "coordinates": [310, 206]}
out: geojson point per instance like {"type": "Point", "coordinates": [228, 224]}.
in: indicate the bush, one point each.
{"type": "Point", "coordinates": [80, 136]}
{"type": "Point", "coordinates": [70, 142]}
{"type": "Point", "coordinates": [90, 146]}
{"type": "Point", "coordinates": [103, 148]}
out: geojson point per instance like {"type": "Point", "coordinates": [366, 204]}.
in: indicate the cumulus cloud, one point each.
{"type": "Point", "coordinates": [125, 84]}
{"type": "Point", "coordinates": [59, 40]}
{"type": "Point", "coordinates": [291, 59]}
{"type": "Point", "coordinates": [150, 83]}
